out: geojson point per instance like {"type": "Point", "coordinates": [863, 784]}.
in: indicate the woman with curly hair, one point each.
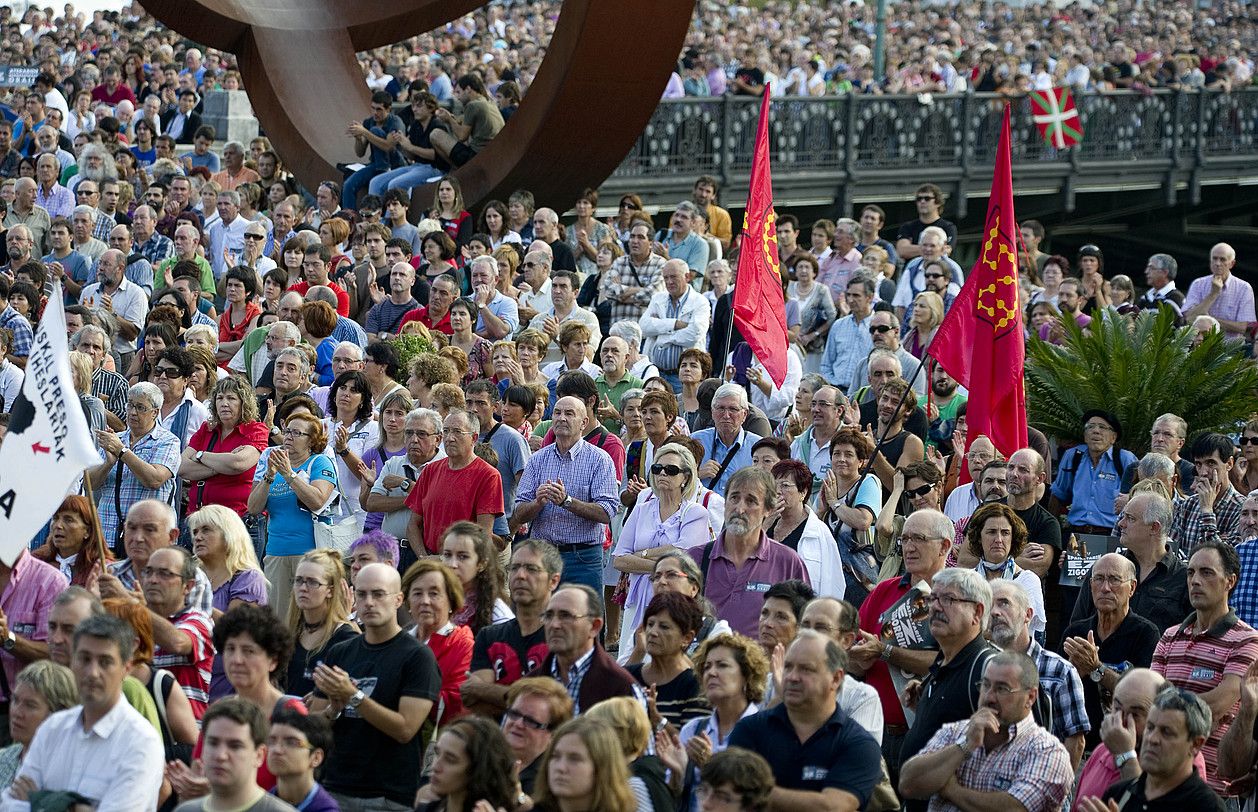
{"type": "Point", "coordinates": [75, 542]}
{"type": "Point", "coordinates": [467, 549]}
{"type": "Point", "coordinates": [583, 769]}
{"type": "Point", "coordinates": [473, 769]}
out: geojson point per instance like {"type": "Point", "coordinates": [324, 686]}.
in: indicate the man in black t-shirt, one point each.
{"type": "Point", "coordinates": [379, 688]}
{"type": "Point", "coordinates": [1178, 724]}
{"type": "Point", "coordinates": [930, 202]}
{"type": "Point", "coordinates": [507, 651]}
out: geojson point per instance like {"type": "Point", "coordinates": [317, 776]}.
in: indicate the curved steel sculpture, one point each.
{"type": "Point", "coordinates": [593, 94]}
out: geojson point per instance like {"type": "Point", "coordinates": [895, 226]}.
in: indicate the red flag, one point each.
{"type": "Point", "coordinates": [759, 307]}
{"type": "Point", "coordinates": [980, 342]}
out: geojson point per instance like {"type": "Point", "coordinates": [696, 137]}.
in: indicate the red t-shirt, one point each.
{"type": "Point", "coordinates": [101, 94]}
{"type": "Point", "coordinates": [342, 298]}
{"type": "Point", "coordinates": [442, 497]}
{"type": "Point", "coordinates": [228, 490]}
{"type": "Point", "coordinates": [879, 674]}
{"type": "Point", "coordinates": [420, 314]}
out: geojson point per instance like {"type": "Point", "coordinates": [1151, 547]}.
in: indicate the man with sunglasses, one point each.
{"type": "Point", "coordinates": [885, 335]}
{"type": "Point", "coordinates": [934, 246]}
{"type": "Point", "coordinates": [537, 707]}
{"type": "Point", "coordinates": [999, 756]}
{"type": "Point", "coordinates": [930, 202]}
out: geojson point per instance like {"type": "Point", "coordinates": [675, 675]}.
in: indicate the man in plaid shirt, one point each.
{"type": "Point", "coordinates": [1212, 512]}
{"type": "Point", "coordinates": [1059, 679]}
{"type": "Point", "coordinates": [1000, 756]}
{"type": "Point", "coordinates": [1245, 595]}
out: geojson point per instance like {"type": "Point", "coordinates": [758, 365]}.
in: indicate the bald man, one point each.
{"type": "Point", "coordinates": [379, 688]}
{"type": "Point", "coordinates": [1222, 294]}
{"type": "Point", "coordinates": [114, 293]}
{"type": "Point", "coordinates": [569, 492]}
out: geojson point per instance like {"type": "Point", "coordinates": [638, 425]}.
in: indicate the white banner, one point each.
{"type": "Point", "coordinates": [48, 444]}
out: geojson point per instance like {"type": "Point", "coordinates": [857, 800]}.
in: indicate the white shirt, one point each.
{"type": "Point", "coordinates": [229, 236]}
{"type": "Point", "coordinates": [657, 328]}
{"type": "Point", "coordinates": [118, 763]}
{"type": "Point", "coordinates": [197, 415]}
{"type": "Point", "coordinates": [781, 398]}
{"type": "Point", "coordinates": [860, 702]}
{"type": "Point", "coordinates": [129, 301]}
{"type": "Point", "coordinates": [578, 314]}
{"type": "Point", "coordinates": [11, 378]}
{"type": "Point", "coordinates": [961, 502]}
{"type": "Point", "coordinates": [820, 555]}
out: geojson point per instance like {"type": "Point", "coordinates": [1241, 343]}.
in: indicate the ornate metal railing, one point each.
{"type": "Point", "coordinates": [851, 139]}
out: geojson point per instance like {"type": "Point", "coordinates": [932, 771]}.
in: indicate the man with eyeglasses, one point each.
{"type": "Point", "coordinates": [884, 336]}
{"type": "Point", "coordinates": [504, 652]}
{"type": "Point", "coordinates": [930, 202]}
{"type": "Point", "coordinates": [1212, 511]}
{"type": "Point", "coordinates": [813, 446]}
{"type": "Point", "coordinates": [21, 247]}
{"type": "Point", "coordinates": [820, 757]}
{"type": "Point", "coordinates": [1167, 437]}
{"type": "Point", "coordinates": [533, 295]}
{"type": "Point", "coordinates": [572, 622]}
{"type": "Point", "coordinates": [461, 487]}
{"type": "Point", "coordinates": [378, 688]}
{"type": "Point", "coordinates": [999, 757]}
{"type": "Point", "coordinates": [1111, 641]}
{"type": "Point", "coordinates": [27, 213]}
{"type": "Point", "coordinates": [297, 744]}
{"type": "Point", "coordinates": [1089, 475]}
{"type": "Point", "coordinates": [933, 245]}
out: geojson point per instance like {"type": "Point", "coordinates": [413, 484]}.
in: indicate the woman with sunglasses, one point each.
{"type": "Point", "coordinates": [914, 487]}
{"type": "Point", "coordinates": [629, 209]}
{"type": "Point", "coordinates": [1245, 472]}
{"type": "Point", "coordinates": [666, 519]}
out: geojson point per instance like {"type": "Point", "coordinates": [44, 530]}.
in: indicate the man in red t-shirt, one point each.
{"type": "Point", "coordinates": [112, 90]}
{"type": "Point", "coordinates": [926, 539]}
{"type": "Point", "coordinates": [436, 316]}
{"type": "Point", "coordinates": [460, 487]}
{"type": "Point", "coordinates": [314, 267]}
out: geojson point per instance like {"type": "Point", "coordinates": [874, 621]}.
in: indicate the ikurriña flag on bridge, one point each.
{"type": "Point", "coordinates": [48, 444]}
{"type": "Point", "coordinates": [759, 304]}
{"type": "Point", "coordinates": [980, 342]}
{"type": "Point", "coordinates": [1055, 115]}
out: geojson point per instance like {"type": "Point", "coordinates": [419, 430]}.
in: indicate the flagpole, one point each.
{"type": "Point", "coordinates": [100, 531]}
{"type": "Point", "coordinates": [869, 463]}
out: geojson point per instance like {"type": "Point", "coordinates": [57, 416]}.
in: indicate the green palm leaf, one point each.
{"type": "Point", "coordinates": [1137, 370]}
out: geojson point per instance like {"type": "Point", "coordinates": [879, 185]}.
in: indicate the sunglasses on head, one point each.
{"type": "Point", "coordinates": [667, 470]}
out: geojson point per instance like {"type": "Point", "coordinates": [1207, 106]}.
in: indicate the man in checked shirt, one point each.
{"type": "Point", "coordinates": [999, 756]}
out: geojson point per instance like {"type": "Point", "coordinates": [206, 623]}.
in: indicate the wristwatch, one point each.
{"type": "Point", "coordinates": [1097, 673]}
{"type": "Point", "coordinates": [199, 455]}
{"type": "Point", "coordinates": [355, 700]}
{"type": "Point", "coordinates": [1123, 758]}
{"type": "Point", "coordinates": [406, 486]}
{"type": "Point", "coordinates": [10, 642]}
{"type": "Point", "coordinates": [885, 656]}
{"type": "Point", "coordinates": [567, 502]}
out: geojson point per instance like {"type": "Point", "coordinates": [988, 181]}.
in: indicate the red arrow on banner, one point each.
{"type": "Point", "coordinates": [40, 449]}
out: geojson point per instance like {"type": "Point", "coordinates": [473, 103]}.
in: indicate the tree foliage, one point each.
{"type": "Point", "coordinates": [1138, 371]}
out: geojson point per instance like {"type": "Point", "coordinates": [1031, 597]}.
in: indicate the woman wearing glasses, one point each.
{"type": "Point", "coordinates": [630, 209]}
{"type": "Point", "coordinates": [913, 487]}
{"type": "Point", "coordinates": [318, 615]}
{"type": "Point", "coordinates": [295, 484]}
{"type": "Point", "coordinates": [666, 520]}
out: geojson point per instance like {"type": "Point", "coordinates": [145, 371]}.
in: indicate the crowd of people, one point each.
{"type": "Point", "coordinates": [499, 510]}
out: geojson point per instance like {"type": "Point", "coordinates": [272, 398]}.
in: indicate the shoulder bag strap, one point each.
{"type": "Point", "coordinates": [492, 432]}
{"type": "Point", "coordinates": [707, 560]}
{"type": "Point", "coordinates": [201, 485]}
{"type": "Point", "coordinates": [725, 463]}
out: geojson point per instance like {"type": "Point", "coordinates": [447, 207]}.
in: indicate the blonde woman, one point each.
{"type": "Point", "coordinates": [928, 314]}
{"type": "Point", "coordinates": [224, 551]}
{"type": "Point", "coordinates": [318, 615]}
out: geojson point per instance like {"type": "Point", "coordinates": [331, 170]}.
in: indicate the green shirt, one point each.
{"type": "Point", "coordinates": [138, 697]}
{"type": "Point", "coordinates": [207, 274]}
{"type": "Point", "coordinates": [949, 413]}
{"type": "Point", "coordinates": [614, 394]}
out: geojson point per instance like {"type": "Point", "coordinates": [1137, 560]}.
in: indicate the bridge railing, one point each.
{"type": "Point", "coordinates": [857, 139]}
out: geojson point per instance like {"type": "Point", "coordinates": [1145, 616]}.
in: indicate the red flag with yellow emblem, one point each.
{"type": "Point", "coordinates": [980, 342]}
{"type": "Point", "coordinates": [759, 306]}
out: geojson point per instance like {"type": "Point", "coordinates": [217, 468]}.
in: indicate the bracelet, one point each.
{"type": "Point", "coordinates": [885, 656]}
{"type": "Point", "coordinates": [268, 478]}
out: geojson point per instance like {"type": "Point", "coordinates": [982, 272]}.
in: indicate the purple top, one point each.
{"type": "Point", "coordinates": [1235, 301]}
{"type": "Point", "coordinates": [319, 800]}
{"type": "Point", "coordinates": [738, 594]}
{"type": "Point", "coordinates": [686, 528]}
{"type": "Point", "coordinates": [375, 459]}
{"type": "Point", "coordinates": [250, 587]}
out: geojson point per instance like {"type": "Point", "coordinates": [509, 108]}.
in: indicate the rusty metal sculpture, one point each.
{"type": "Point", "coordinates": [604, 71]}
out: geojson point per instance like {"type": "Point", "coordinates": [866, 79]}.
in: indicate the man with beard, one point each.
{"type": "Point", "coordinates": [1059, 682]}
{"type": "Point", "coordinates": [999, 757]}
{"type": "Point", "coordinates": [945, 402]}
{"type": "Point", "coordinates": [506, 651]}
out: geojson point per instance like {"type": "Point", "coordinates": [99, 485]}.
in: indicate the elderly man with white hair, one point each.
{"type": "Point", "coordinates": [149, 457]}
{"type": "Point", "coordinates": [118, 296]}
{"type": "Point", "coordinates": [227, 235]}
{"type": "Point", "coordinates": [347, 357]}
{"type": "Point", "coordinates": [679, 241]}
{"type": "Point", "coordinates": [638, 365]}
{"type": "Point", "coordinates": [83, 233]}
{"type": "Point", "coordinates": [24, 211]}
{"type": "Point", "coordinates": [676, 320]}
{"type": "Point", "coordinates": [727, 445]}
{"type": "Point", "coordinates": [1222, 294]}
{"type": "Point", "coordinates": [499, 315]}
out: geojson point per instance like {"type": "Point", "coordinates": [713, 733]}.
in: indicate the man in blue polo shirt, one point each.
{"type": "Point", "coordinates": [1089, 475]}
{"type": "Point", "coordinates": [816, 752]}
{"type": "Point", "coordinates": [726, 446]}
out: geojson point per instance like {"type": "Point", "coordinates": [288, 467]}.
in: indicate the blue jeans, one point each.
{"type": "Point", "coordinates": [354, 184]}
{"type": "Point", "coordinates": [403, 177]}
{"type": "Point", "coordinates": [584, 566]}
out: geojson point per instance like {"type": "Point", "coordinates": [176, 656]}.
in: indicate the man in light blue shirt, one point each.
{"type": "Point", "coordinates": [681, 242]}
{"type": "Point", "coordinates": [726, 446]}
{"type": "Point", "coordinates": [499, 315]}
{"type": "Point", "coordinates": [849, 341]}
{"type": "Point", "coordinates": [1088, 475]}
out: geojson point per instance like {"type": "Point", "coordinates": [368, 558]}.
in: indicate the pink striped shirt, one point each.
{"type": "Point", "coordinates": [26, 602]}
{"type": "Point", "coordinates": [1199, 662]}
